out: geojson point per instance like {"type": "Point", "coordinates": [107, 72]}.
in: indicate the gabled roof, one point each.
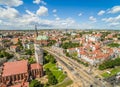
{"type": "Point", "coordinates": [13, 68]}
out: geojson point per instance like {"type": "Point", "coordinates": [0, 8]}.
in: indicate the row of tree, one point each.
{"type": "Point", "coordinates": [49, 58]}
{"type": "Point", "coordinates": [114, 45]}
{"type": "Point", "coordinates": [110, 64]}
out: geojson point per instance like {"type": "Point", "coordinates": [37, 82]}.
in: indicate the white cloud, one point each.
{"type": "Point", "coordinates": [80, 14]}
{"type": "Point", "coordinates": [114, 24]}
{"type": "Point", "coordinates": [101, 12]}
{"type": "Point", "coordinates": [114, 9]}
{"type": "Point", "coordinates": [39, 1]}
{"type": "Point", "coordinates": [30, 13]}
{"type": "Point", "coordinates": [42, 11]}
{"type": "Point", "coordinates": [11, 2]}
{"type": "Point", "coordinates": [112, 19]}
{"type": "Point", "coordinates": [91, 18]}
{"type": "Point", "coordinates": [54, 11]}
{"type": "Point", "coordinates": [36, 1]}
{"type": "Point", "coordinates": [8, 12]}
{"type": "Point", "coordinates": [57, 18]}
{"type": "Point", "coordinates": [44, 3]}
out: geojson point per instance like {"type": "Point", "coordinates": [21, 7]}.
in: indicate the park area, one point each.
{"type": "Point", "coordinates": [111, 72]}
{"type": "Point", "coordinates": [60, 76]}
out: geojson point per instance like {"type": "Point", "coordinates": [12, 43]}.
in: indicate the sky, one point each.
{"type": "Point", "coordinates": [60, 14]}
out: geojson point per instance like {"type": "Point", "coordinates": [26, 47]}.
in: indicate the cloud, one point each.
{"type": "Point", "coordinates": [10, 3]}
{"type": "Point", "coordinates": [42, 11]}
{"type": "Point", "coordinates": [54, 11]}
{"type": "Point", "coordinates": [39, 1]}
{"type": "Point", "coordinates": [112, 19]}
{"type": "Point", "coordinates": [8, 12]}
{"type": "Point", "coordinates": [115, 9]}
{"type": "Point", "coordinates": [44, 3]}
{"type": "Point", "coordinates": [91, 18]}
{"type": "Point", "coordinates": [114, 24]}
{"type": "Point", "coordinates": [101, 12]}
{"type": "Point", "coordinates": [57, 18]}
{"type": "Point", "coordinates": [36, 1]}
{"type": "Point", "coordinates": [30, 13]}
{"type": "Point", "coordinates": [80, 14]}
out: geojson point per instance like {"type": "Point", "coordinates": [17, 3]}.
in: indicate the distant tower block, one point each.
{"type": "Point", "coordinates": [38, 50]}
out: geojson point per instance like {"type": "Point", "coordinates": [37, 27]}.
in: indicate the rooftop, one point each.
{"type": "Point", "coordinates": [35, 66]}
{"type": "Point", "coordinates": [42, 37]}
{"type": "Point", "coordinates": [13, 68]}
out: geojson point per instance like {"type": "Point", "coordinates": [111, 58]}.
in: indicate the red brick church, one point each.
{"type": "Point", "coordinates": [18, 73]}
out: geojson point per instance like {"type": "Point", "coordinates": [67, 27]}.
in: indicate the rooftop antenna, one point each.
{"type": "Point", "coordinates": [36, 30]}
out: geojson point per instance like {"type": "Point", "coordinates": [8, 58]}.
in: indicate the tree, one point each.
{"type": "Point", "coordinates": [28, 52]}
{"type": "Point", "coordinates": [20, 44]}
{"type": "Point", "coordinates": [31, 60]}
{"type": "Point", "coordinates": [110, 64]}
{"type": "Point", "coordinates": [51, 78]}
{"type": "Point", "coordinates": [47, 71]}
{"type": "Point", "coordinates": [75, 54]}
{"type": "Point", "coordinates": [52, 59]}
{"type": "Point", "coordinates": [67, 45]}
{"type": "Point", "coordinates": [5, 54]}
{"type": "Point", "coordinates": [114, 45]}
{"type": "Point", "coordinates": [49, 58]}
{"type": "Point", "coordinates": [51, 42]}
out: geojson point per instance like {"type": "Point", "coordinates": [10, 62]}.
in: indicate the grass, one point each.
{"type": "Point", "coordinates": [60, 76]}
{"type": "Point", "coordinates": [65, 83]}
{"type": "Point", "coordinates": [113, 72]}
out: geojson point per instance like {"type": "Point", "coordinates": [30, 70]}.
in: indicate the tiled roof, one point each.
{"type": "Point", "coordinates": [35, 66]}
{"type": "Point", "coordinates": [13, 68]}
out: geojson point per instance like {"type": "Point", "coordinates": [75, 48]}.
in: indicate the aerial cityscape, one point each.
{"type": "Point", "coordinates": [60, 43]}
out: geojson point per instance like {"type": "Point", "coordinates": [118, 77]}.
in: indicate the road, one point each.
{"type": "Point", "coordinates": [78, 71]}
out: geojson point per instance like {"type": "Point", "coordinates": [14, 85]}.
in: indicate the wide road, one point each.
{"type": "Point", "coordinates": [77, 70]}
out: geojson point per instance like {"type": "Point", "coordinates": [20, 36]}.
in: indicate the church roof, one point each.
{"type": "Point", "coordinates": [42, 37]}
{"type": "Point", "coordinates": [13, 68]}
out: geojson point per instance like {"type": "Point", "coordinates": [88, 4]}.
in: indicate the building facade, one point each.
{"type": "Point", "coordinates": [19, 72]}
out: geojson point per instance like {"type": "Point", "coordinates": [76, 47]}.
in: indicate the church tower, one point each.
{"type": "Point", "coordinates": [38, 49]}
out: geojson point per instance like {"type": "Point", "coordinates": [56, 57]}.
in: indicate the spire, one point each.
{"type": "Point", "coordinates": [36, 30]}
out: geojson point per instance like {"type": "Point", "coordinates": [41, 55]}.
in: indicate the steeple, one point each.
{"type": "Point", "coordinates": [36, 31]}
